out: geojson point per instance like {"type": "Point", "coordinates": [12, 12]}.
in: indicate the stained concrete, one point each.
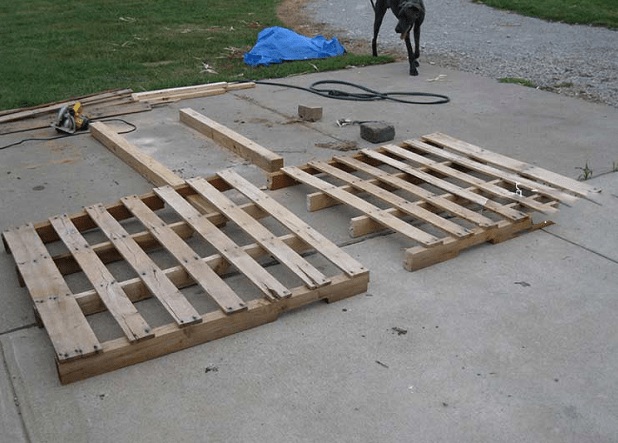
{"type": "Point", "coordinates": [510, 342]}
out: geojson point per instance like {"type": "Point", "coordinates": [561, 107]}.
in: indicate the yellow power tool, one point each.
{"type": "Point", "coordinates": [71, 119]}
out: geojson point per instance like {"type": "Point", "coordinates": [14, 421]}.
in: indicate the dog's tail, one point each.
{"type": "Point", "coordinates": [373, 5]}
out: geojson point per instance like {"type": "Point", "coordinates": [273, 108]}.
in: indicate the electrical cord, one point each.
{"type": "Point", "coordinates": [133, 128]}
{"type": "Point", "coordinates": [368, 95]}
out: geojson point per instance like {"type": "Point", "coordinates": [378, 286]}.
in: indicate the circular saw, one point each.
{"type": "Point", "coordinates": [71, 119]}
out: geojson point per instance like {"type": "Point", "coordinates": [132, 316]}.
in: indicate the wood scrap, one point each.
{"type": "Point", "coordinates": [175, 94]}
{"type": "Point", "coordinates": [257, 154]}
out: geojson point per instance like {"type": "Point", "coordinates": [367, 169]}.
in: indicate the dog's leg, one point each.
{"type": "Point", "coordinates": [417, 41]}
{"type": "Point", "coordinates": [411, 59]}
{"type": "Point", "coordinates": [379, 10]}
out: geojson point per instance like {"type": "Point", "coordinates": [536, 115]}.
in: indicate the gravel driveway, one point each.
{"type": "Point", "coordinates": [574, 60]}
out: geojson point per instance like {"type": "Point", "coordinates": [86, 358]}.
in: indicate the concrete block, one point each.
{"type": "Point", "coordinates": [377, 132]}
{"type": "Point", "coordinates": [309, 113]}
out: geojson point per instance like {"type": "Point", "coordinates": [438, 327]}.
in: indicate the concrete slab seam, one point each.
{"type": "Point", "coordinates": [281, 114]}
{"type": "Point", "coordinates": [14, 394]}
{"type": "Point", "coordinates": [18, 328]}
{"type": "Point", "coordinates": [580, 246]}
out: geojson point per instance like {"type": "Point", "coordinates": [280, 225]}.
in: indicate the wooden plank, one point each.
{"type": "Point", "coordinates": [269, 286]}
{"type": "Point", "coordinates": [153, 277]}
{"type": "Point", "coordinates": [474, 165]}
{"type": "Point", "coordinates": [148, 167]}
{"type": "Point", "coordinates": [505, 211]}
{"type": "Point", "coordinates": [54, 107]}
{"type": "Point", "coordinates": [441, 202]}
{"type": "Point", "coordinates": [65, 323]}
{"type": "Point", "coordinates": [523, 168]}
{"type": "Point", "coordinates": [471, 180]}
{"type": "Point", "coordinates": [396, 201]}
{"type": "Point", "coordinates": [186, 95]}
{"type": "Point", "coordinates": [381, 216]}
{"type": "Point", "coordinates": [169, 338]}
{"type": "Point", "coordinates": [279, 250]}
{"type": "Point", "coordinates": [176, 94]}
{"type": "Point", "coordinates": [168, 92]}
{"type": "Point", "coordinates": [203, 275]}
{"type": "Point", "coordinates": [116, 301]}
{"type": "Point", "coordinates": [242, 146]}
{"type": "Point", "coordinates": [286, 217]}
{"type": "Point", "coordinates": [96, 97]}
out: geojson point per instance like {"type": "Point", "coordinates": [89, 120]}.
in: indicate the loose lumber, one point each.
{"type": "Point", "coordinates": [442, 194]}
{"type": "Point", "coordinates": [186, 92]}
{"type": "Point", "coordinates": [240, 145]}
{"type": "Point", "coordinates": [65, 315]}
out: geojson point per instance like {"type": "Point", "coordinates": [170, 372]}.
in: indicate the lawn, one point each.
{"type": "Point", "coordinates": [53, 50]}
{"type": "Point", "coordinates": [594, 12]}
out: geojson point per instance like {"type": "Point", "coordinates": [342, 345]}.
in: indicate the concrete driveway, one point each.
{"type": "Point", "coordinates": [506, 343]}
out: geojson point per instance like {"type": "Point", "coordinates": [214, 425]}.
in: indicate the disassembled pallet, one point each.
{"type": "Point", "coordinates": [80, 354]}
{"type": "Point", "coordinates": [444, 194]}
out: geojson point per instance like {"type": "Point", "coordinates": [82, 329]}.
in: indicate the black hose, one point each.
{"type": "Point", "coordinates": [368, 95]}
{"type": "Point", "coordinates": [133, 128]}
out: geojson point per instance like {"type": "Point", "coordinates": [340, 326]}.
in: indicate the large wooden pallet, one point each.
{"type": "Point", "coordinates": [442, 193]}
{"type": "Point", "coordinates": [64, 313]}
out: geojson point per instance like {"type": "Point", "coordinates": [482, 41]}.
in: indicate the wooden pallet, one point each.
{"type": "Point", "coordinates": [64, 312]}
{"type": "Point", "coordinates": [443, 194]}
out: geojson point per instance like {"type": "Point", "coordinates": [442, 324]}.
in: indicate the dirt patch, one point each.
{"type": "Point", "coordinates": [338, 146]}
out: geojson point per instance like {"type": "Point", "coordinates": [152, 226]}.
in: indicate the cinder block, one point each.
{"type": "Point", "coordinates": [309, 113]}
{"type": "Point", "coordinates": [377, 132]}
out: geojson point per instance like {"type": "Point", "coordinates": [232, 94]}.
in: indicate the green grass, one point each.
{"type": "Point", "coordinates": [518, 81]}
{"type": "Point", "coordinates": [593, 12]}
{"type": "Point", "coordinates": [52, 50]}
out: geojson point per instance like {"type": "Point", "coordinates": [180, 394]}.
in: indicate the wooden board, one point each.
{"type": "Point", "coordinates": [152, 170]}
{"type": "Point", "coordinates": [445, 200]}
{"type": "Point", "coordinates": [184, 92]}
{"type": "Point", "coordinates": [240, 145]}
{"type": "Point", "coordinates": [65, 315]}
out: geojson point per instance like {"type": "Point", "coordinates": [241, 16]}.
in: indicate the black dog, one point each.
{"type": "Point", "coordinates": [410, 13]}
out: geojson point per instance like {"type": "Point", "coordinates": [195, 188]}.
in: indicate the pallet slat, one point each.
{"type": "Point", "coordinates": [279, 250]}
{"type": "Point", "coordinates": [523, 168]}
{"type": "Point", "coordinates": [66, 326]}
{"type": "Point", "coordinates": [309, 235]}
{"type": "Point", "coordinates": [466, 178]}
{"type": "Point", "coordinates": [269, 286]}
{"type": "Point", "coordinates": [153, 277]}
{"type": "Point", "coordinates": [473, 165]}
{"type": "Point", "coordinates": [436, 200]}
{"type": "Point", "coordinates": [394, 200]}
{"type": "Point", "coordinates": [116, 301]}
{"type": "Point", "coordinates": [505, 211]}
{"type": "Point", "coordinates": [214, 286]}
{"type": "Point", "coordinates": [379, 215]}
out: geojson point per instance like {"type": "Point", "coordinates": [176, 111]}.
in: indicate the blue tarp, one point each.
{"type": "Point", "coordinates": [274, 45]}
